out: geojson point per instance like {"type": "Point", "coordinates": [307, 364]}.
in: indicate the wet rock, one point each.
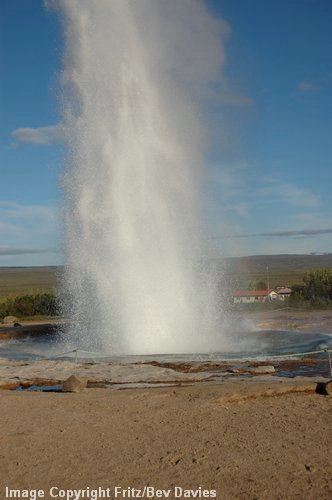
{"type": "Point", "coordinates": [74, 384]}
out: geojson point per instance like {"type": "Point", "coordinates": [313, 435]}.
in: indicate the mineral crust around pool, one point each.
{"type": "Point", "coordinates": [17, 373]}
{"type": "Point", "coordinates": [59, 370]}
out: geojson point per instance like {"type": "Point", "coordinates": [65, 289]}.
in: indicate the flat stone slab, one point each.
{"type": "Point", "coordinates": [106, 373]}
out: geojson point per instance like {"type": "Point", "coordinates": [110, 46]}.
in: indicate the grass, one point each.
{"type": "Point", "coordinates": [279, 263]}
{"type": "Point", "coordinates": [27, 280]}
{"type": "Point", "coordinates": [37, 317]}
{"type": "Point", "coordinates": [241, 280]}
{"type": "Point", "coordinates": [284, 270]}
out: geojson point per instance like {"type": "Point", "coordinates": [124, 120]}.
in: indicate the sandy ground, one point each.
{"type": "Point", "coordinates": [293, 319]}
{"type": "Point", "coordinates": [260, 437]}
{"type": "Point", "coordinates": [262, 447]}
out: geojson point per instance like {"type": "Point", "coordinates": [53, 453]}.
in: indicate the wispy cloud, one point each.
{"type": "Point", "coordinates": [227, 185]}
{"type": "Point", "coordinates": [29, 234]}
{"type": "Point", "coordinates": [265, 213]}
{"type": "Point", "coordinates": [238, 192]}
{"type": "Point", "coordinates": [27, 226]}
{"type": "Point", "coordinates": [39, 136]}
{"type": "Point", "coordinates": [230, 180]}
{"type": "Point", "coordinates": [305, 86]}
{"type": "Point", "coordinates": [308, 220]}
{"type": "Point", "coordinates": [14, 210]}
{"type": "Point", "coordinates": [40, 217]}
{"type": "Point", "coordinates": [24, 251]}
{"type": "Point", "coordinates": [287, 234]}
{"type": "Point", "coordinates": [277, 191]}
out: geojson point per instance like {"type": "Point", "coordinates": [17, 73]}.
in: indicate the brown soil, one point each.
{"type": "Point", "coordinates": [308, 321]}
{"type": "Point", "coordinates": [245, 439]}
{"type": "Point", "coordinates": [236, 437]}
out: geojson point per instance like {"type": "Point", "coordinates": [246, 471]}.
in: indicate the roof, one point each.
{"type": "Point", "coordinates": [285, 290]}
{"type": "Point", "coordinates": [251, 293]}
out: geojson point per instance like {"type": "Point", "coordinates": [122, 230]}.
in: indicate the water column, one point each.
{"type": "Point", "coordinates": [133, 76]}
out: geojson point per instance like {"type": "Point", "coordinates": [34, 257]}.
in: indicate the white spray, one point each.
{"type": "Point", "coordinates": [134, 73]}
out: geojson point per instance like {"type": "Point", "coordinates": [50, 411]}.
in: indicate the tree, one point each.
{"type": "Point", "coordinates": [318, 284]}
{"type": "Point", "coordinates": [257, 285]}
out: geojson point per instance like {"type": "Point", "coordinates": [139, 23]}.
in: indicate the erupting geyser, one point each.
{"type": "Point", "coordinates": [133, 77]}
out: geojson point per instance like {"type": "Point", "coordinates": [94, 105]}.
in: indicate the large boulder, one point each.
{"type": "Point", "coordinates": [74, 384]}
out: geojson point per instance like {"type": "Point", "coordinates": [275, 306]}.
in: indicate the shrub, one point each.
{"type": "Point", "coordinates": [44, 304]}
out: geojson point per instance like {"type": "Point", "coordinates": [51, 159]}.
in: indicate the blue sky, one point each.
{"type": "Point", "coordinates": [269, 167]}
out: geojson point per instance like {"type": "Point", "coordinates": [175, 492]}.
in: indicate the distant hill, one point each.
{"type": "Point", "coordinates": [279, 263]}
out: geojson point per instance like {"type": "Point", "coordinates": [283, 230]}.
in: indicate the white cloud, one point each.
{"type": "Point", "coordinates": [270, 212]}
{"type": "Point", "coordinates": [278, 191]}
{"type": "Point", "coordinates": [39, 136]}
{"type": "Point", "coordinates": [29, 226]}
{"type": "Point", "coordinates": [240, 194]}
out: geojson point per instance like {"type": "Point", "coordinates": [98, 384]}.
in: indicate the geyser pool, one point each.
{"type": "Point", "coordinates": [137, 278]}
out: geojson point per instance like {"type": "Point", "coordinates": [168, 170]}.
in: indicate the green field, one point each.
{"type": "Point", "coordinates": [28, 280]}
{"type": "Point", "coordinates": [283, 270]}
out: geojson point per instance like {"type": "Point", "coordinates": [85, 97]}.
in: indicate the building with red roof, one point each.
{"type": "Point", "coordinates": [250, 296]}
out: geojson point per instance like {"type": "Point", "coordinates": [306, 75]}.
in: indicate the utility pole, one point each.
{"type": "Point", "coordinates": [268, 282]}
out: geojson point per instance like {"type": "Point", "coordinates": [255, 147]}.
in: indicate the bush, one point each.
{"type": "Point", "coordinates": [318, 284]}
{"type": "Point", "coordinates": [315, 292]}
{"type": "Point", "coordinates": [43, 304]}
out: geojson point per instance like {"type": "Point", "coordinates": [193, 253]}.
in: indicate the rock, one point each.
{"type": "Point", "coordinates": [262, 370]}
{"type": "Point", "coordinates": [74, 384]}
{"type": "Point", "coordinates": [16, 324]}
{"type": "Point", "coordinates": [328, 388]}
{"type": "Point", "coordinates": [8, 320]}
